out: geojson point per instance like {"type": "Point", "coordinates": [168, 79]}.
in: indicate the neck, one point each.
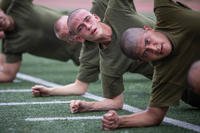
{"type": "Point", "coordinates": [107, 34]}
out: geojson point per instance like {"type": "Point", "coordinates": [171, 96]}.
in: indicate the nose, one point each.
{"type": "Point", "coordinates": [151, 47]}
{"type": "Point", "coordinates": [87, 25]}
{"type": "Point", "coordinates": [154, 47]}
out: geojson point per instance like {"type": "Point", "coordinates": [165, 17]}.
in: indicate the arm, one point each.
{"type": "Point", "coordinates": [76, 88]}
{"type": "Point", "coordinates": [150, 117]}
{"type": "Point", "coordinates": [8, 71]}
{"type": "Point", "coordinates": [88, 72]}
{"type": "Point", "coordinates": [106, 104]}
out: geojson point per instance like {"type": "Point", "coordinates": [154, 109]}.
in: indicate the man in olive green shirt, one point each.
{"type": "Point", "coordinates": [28, 28]}
{"type": "Point", "coordinates": [119, 16]}
{"type": "Point", "coordinates": [89, 64]}
{"type": "Point", "coordinates": [172, 47]}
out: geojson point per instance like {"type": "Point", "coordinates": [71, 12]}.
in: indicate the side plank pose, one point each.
{"type": "Point", "coordinates": [172, 47]}
{"type": "Point", "coordinates": [21, 33]}
{"type": "Point", "coordinates": [85, 26]}
{"type": "Point", "coordinates": [89, 60]}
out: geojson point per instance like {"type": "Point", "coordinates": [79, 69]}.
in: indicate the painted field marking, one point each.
{"type": "Point", "coordinates": [34, 103]}
{"type": "Point", "coordinates": [98, 98]}
{"type": "Point", "coordinates": [15, 90]}
{"type": "Point", "coordinates": [64, 118]}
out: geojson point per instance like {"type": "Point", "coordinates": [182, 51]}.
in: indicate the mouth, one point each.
{"type": "Point", "coordinates": [161, 48]}
{"type": "Point", "coordinates": [93, 31]}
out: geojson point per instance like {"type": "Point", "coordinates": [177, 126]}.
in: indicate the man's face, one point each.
{"type": "Point", "coordinates": [153, 46]}
{"type": "Point", "coordinates": [4, 21]}
{"type": "Point", "coordinates": [86, 25]}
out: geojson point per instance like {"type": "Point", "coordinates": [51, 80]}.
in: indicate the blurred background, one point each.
{"type": "Point", "coordinates": [141, 5]}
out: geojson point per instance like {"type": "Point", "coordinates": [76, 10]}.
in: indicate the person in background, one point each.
{"type": "Point", "coordinates": [28, 28]}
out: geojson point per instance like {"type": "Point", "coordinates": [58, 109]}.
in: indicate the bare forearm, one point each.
{"type": "Point", "coordinates": [66, 90]}
{"type": "Point", "coordinates": [71, 89]}
{"type": "Point", "coordinates": [143, 119]}
{"type": "Point", "coordinates": [107, 104]}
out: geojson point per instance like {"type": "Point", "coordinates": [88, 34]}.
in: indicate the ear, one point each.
{"type": "Point", "coordinates": [96, 17]}
{"type": "Point", "coordinates": [79, 39]}
{"type": "Point", "coordinates": [146, 27]}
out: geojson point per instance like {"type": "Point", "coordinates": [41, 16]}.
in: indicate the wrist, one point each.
{"type": "Point", "coordinates": [90, 106]}
{"type": "Point", "coordinates": [120, 122]}
{"type": "Point", "coordinates": [50, 91]}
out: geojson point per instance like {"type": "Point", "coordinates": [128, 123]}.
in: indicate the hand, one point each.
{"type": "Point", "coordinates": [78, 106]}
{"type": "Point", "coordinates": [110, 120]}
{"type": "Point", "coordinates": [39, 90]}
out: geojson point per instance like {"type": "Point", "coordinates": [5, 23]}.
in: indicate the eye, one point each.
{"type": "Point", "coordinates": [79, 28]}
{"type": "Point", "coordinates": [146, 42]}
{"type": "Point", "coordinates": [87, 19]}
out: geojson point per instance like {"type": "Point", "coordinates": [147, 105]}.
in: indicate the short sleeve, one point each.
{"type": "Point", "coordinates": [89, 63]}
{"type": "Point", "coordinates": [165, 94]}
{"type": "Point", "coordinates": [112, 86]}
{"type": "Point", "coordinates": [12, 58]}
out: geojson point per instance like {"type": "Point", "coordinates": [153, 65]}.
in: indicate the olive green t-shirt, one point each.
{"type": "Point", "coordinates": [34, 34]}
{"type": "Point", "coordinates": [89, 56]}
{"type": "Point", "coordinates": [120, 15]}
{"type": "Point", "coordinates": [182, 26]}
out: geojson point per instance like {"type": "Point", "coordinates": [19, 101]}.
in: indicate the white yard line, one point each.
{"type": "Point", "coordinates": [15, 90]}
{"type": "Point", "coordinates": [125, 107]}
{"type": "Point", "coordinates": [64, 118]}
{"type": "Point", "coordinates": [33, 103]}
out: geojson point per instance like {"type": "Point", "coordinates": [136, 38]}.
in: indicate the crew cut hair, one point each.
{"type": "Point", "coordinates": [129, 42]}
{"type": "Point", "coordinates": [71, 15]}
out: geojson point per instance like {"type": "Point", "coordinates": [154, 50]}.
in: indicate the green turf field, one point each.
{"type": "Point", "coordinates": [20, 118]}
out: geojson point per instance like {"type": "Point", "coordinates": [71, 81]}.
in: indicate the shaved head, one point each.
{"type": "Point", "coordinates": [129, 42]}
{"type": "Point", "coordinates": [73, 17]}
{"type": "Point", "coordinates": [60, 26]}
{"type": "Point", "coordinates": [62, 31]}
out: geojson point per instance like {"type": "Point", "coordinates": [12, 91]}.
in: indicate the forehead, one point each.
{"type": "Point", "coordinates": [83, 12]}
{"type": "Point", "coordinates": [77, 18]}
{"type": "Point", "coordinates": [80, 15]}
{"type": "Point", "coordinates": [141, 41]}
{"type": "Point", "coordinates": [140, 45]}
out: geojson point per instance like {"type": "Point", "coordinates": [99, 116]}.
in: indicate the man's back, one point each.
{"type": "Point", "coordinates": [34, 33]}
